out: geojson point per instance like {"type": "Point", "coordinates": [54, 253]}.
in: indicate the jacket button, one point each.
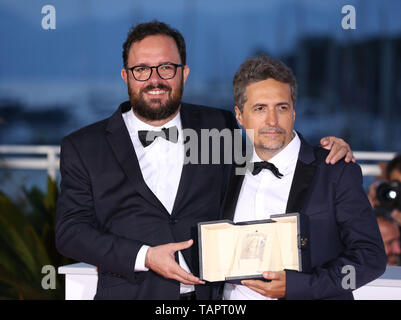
{"type": "Point", "coordinates": [173, 221]}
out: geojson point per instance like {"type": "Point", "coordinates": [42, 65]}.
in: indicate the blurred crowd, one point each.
{"type": "Point", "coordinates": [385, 197]}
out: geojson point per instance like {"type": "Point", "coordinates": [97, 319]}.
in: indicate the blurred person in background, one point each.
{"type": "Point", "coordinates": [392, 172]}
{"type": "Point", "coordinates": [385, 197]}
{"type": "Point", "coordinates": [389, 230]}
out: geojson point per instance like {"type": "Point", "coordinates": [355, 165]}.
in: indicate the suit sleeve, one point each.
{"type": "Point", "coordinates": [363, 246]}
{"type": "Point", "coordinates": [78, 234]}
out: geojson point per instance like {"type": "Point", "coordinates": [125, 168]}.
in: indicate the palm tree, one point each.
{"type": "Point", "coordinates": [27, 244]}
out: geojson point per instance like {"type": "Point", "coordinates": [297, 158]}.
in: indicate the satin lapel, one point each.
{"type": "Point", "coordinates": [303, 176]}
{"type": "Point", "coordinates": [233, 191]}
{"type": "Point", "coordinates": [121, 144]}
{"type": "Point", "coordinates": [189, 120]}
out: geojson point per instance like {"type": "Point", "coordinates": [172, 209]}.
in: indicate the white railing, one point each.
{"type": "Point", "coordinates": [49, 159]}
{"type": "Point", "coordinates": [46, 158]}
{"type": "Point", "coordinates": [376, 157]}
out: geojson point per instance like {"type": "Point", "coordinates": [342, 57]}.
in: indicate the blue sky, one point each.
{"type": "Point", "coordinates": [220, 33]}
{"type": "Point", "coordinates": [44, 66]}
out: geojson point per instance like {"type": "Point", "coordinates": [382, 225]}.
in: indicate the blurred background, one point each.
{"type": "Point", "coordinates": [55, 81]}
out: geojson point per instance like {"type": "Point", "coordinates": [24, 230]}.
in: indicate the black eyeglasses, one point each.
{"type": "Point", "coordinates": [165, 71]}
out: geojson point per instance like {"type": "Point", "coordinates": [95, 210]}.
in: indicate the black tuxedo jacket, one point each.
{"type": "Point", "coordinates": [340, 223]}
{"type": "Point", "coordinates": [106, 212]}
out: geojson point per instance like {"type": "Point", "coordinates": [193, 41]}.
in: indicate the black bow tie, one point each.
{"type": "Point", "coordinates": [258, 166]}
{"type": "Point", "coordinates": [148, 136]}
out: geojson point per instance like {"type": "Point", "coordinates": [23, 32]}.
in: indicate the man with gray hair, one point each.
{"type": "Point", "coordinates": [130, 205]}
{"type": "Point", "coordinates": [343, 231]}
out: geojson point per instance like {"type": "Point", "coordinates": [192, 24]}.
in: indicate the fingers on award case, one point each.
{"type": "Point", "coordinates": [233, 252]}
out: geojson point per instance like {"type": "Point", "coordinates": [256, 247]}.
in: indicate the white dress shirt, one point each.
{"type": "Point", "coordinates": [261, 196]}
{"type": "Point", "coordinates": [161, 168]}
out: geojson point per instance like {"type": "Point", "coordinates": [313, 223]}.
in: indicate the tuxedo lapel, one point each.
{"type": "Point", "coordinates": [121, 144]}
{"type": "Point", "coordinates": [189, 120]}
{"type": "Point", "coordinates": [232, 196]}
{"type": "Point", "coordinates": [303, 176]}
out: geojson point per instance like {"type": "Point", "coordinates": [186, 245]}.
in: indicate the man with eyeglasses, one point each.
{"type": "Point", "coordinates": [128, 203]}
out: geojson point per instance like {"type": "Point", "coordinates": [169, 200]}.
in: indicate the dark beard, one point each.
{"type": "Point", "coordinates": [161, 112]}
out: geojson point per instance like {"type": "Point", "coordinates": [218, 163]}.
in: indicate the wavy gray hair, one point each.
{"type": "Point", "coordinates": [258, 69]}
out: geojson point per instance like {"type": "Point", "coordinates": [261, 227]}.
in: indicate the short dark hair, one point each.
{"type": "Point", "coordinates": [258, 69]}
{"type": "Point", "coordinates": [152, 28]}
{"type": "Point", "coordinates": [394, 164]}
{"type": "Point", "coordinates": [384, 216]}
